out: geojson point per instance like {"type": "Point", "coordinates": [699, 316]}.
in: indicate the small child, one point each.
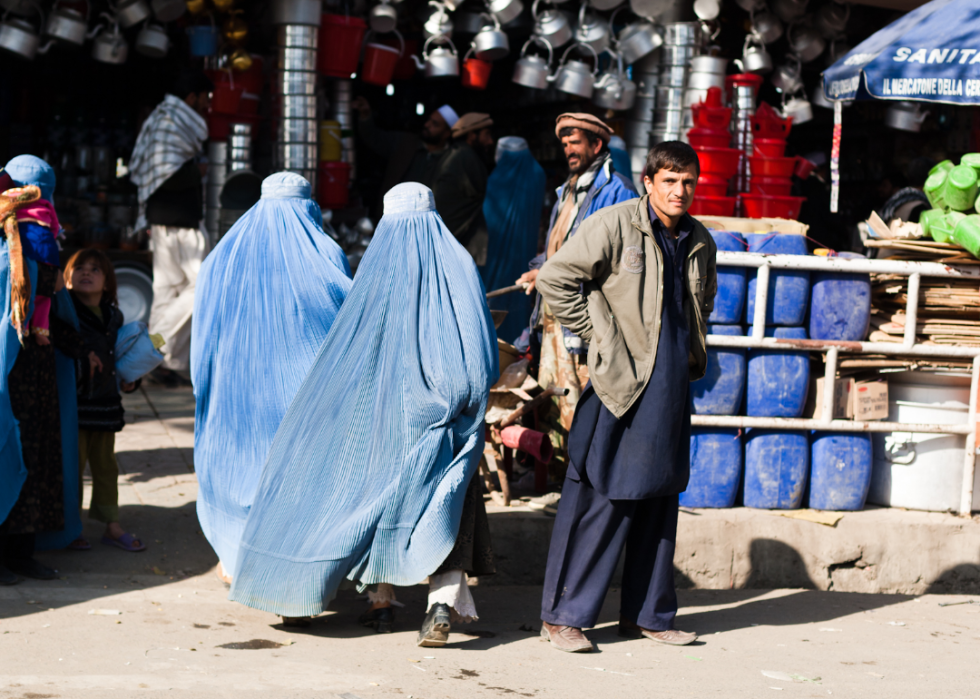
{"type": "Point", "coordinates": [91, 280]}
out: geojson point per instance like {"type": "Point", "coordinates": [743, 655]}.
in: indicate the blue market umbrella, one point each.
{"type": "Point", "coordinates": [929, 55]}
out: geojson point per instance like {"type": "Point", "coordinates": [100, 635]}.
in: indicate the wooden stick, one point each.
{"type": "Point", "coordinates": [506, 290]}
{"type": "Point", "coordinates": [532, 405]}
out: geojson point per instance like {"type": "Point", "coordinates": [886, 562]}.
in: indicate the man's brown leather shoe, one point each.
{"type": "Point", "coordinates": [671, 637]}
{"type": "Point", "coordinates": [566, 638]}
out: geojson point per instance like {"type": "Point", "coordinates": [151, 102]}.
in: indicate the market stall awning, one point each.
{"type": "Point", "coordinates": [932, 54]}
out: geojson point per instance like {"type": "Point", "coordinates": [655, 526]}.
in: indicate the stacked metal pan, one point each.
{"type": "Point", "coordinates": [706, 72]}
{"type": "Point", "coordinates": [672, 119]}
{"type": "Point", "coordinates": [639, 120]}
{"type": "Point", "coordinates": [295, 98]}
{"type": "Point", "coordinates": [240, 147]}
{"type": "Point", "coordinates": [743, 108]}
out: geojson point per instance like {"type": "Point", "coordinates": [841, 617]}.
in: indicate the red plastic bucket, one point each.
{"type": "Point", "coordinates": [711, 186]}
{"type": "Point", "coordinates": [476, 73]}
{"type": "Point", "coordinates": [765, 206]}
{"type": "Point", "coordinates": [769, 148]}
{"type": "Point", "coordinates": [340, 40]}
{"type": "Point", "coordinates": [333, 185]}
{"type": "Point", "coordinates": [226, 98]}
{"type": "Point", "coordinates": [721, 162]}
{"type": "Point", "coordinates": [770, 186]}
{"type": "Point", "coordinates": [803, 168]}
{"type": "Point", "coordinates": [249, 104]}
{"type": "Point", "coordinates": [379, 64]}
{"type": "Point", "coordinates": [712, 206]}
{"type": "Point", "coordinates": [772, 167]}
{"type": "Point", "coordinates": [252, 78]}
{"type": "Point", "coordinates": [708, 138]}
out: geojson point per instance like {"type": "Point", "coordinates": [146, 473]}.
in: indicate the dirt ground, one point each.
{"type": "Point", "coordinates": [159, 624]}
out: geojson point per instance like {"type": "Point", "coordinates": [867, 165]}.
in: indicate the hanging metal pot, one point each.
{"type": "Point", "coordinates": [831, 19]}
{"type": "Point", "coordinates": [709, 64]}
{"type": "Point", "coordinates": [798, 109]}
{"type": "Point", "coordinates": [576, 77]}
{"type": "Point", "coordinates": [169, 10]}
{"type": "Point", "coordinates": [805, 42]}
{"type": "Point", "coordinates": [787, 77]}
{"type": "Point", "coordinates": [789, 10]}
{"type": "Point", "coordinates": [110, 46]}
{"type": "Point", "coordinates": [905, 116]}
{"type": "Point", "coordinates": [19, 37]}
{"type": "Point", "coordinates": [438, 24]}
{"type": "Point", "coordinates": [751, 5]}
{"type": "Point", "coordinates": [506, 10]}
{"type": "Point", "coordinates": [132, 12]}
{"type": "Point", "coordinates": [533, 71]}
{"type": "Point", "coordinates": [383, 17]}
{"type": "Point", "coordinates": [152, 41]}
{"type": "Point", "coordinates": [592, 31]}
{"type": "Point", "coordinates": [707, 10]}
{"type": "Point", "coordinates": [637, 40]}
{"type": "Point", "coordinates": [490, 43]}
{"type": "Point", "coordinates": [614, 90]}
{"type": "Point", "coordinates": [604, 5]}
{"type": "Point", "coordinates": [767, 27]}
{"type": "Point", "coordinates": [440, 62]}
{"type": "Point", "coordinates": [755, 58]}
{"type": "Point", "coordinates": [67, 25]}
{"type": "Point", "coordinates": [551, 25]}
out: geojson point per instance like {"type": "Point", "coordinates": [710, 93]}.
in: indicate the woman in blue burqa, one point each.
{"type": "Point", "coordinates": [371, 474]}
{"type": "Point", "coordinates": [512, 209]}
{"type": "Point", "coordinates": [266, 298]}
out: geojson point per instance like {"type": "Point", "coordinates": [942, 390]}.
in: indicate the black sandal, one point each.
{"type": "Point", "coordinates": [381, 620]}
{"type": "Point", "coordinates": [297, 622]}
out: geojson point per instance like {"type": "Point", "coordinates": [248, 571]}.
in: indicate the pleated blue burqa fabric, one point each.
{"type": "Point", "coordinates": [266, 298]}
{"type": "Point", "coordinates": [512, 208]}
{"type": "Point", "coordinates": [368, 472]}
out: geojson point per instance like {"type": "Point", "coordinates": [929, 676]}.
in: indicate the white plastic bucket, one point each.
{"type": "Point", "coordinates": [923, 471]}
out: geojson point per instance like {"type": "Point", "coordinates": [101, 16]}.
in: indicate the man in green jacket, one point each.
{"type": "Point", "coordinates": [637, 283]}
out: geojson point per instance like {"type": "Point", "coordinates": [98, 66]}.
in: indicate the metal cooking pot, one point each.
{"type": "Point", "coordinates": [767, 27]}
{"type": "Point", "coordinates": [799, 109]}
{"type": "Point", "coordinates": [440, 62]}
{"type": "Point", "coordinates": [671, 55]}
{"type": "Point", "coordinates": [305, 12]}
{"type": "Point", "coordinates": [637, 40]}
{"type": "Point", "coordinates": [551, 25]}
{"type": "Point", "coordinates": [807, 43]}
{"type": "Point", "coordinates": [110, 46]}
{"type": "Point", "coordinates": [533, 71]}
{"type": "Point", "coordinates": [832, 19]}
{"type": "Point", "coordinates": [905, 116]}
{"type": "Point", "coordinates": [490, 43]}
{"type": "Point", "coordinates": [682, 33]}
{"type": "Point", "coordinates": [604, 5]}
{"type": "Point", "coordinates": [506, 10]}
{"type": "Point", "coordinates": [787, 77]}
{"type": "Point", "coordinates": [575, 77]}
{"type": "Point", "coordinates": [18, 36]}
{"type": "Point", "coordinates": [132, 12]}
{"type": "Point", "coordinates": [168, 10]}
{"type": "Point", "coordinates": [152, 41]}
{"type": "Point", "coordinates": [614, 90]}
{"type": "Point", "coordinates": [755, 58]}
{"type": "Point", "coordinates": [751, 5]}
{"type": "Point", "coordinates": [383, 18]}
{"type": "Point", "coordinates": [704, 81]}
{"type": "Point", "coordinates": [438, 24]}
{"type": "Point", "coordinates": [296, 59]}
{"type": "Point", "coordinates": [707, 10]}
{"type": "Point", "coordinates": [673, 76]}
{"type": "Point", "coordinates": [670, 98]}
{"type": "Point", "coordinates": [592, 31]}
{"type": "Point", "coordinates": [67, 25]}
{"type": "Point", "coordinates": [790, 10]}
{"type": "Point", "coordinates": [709, 64]}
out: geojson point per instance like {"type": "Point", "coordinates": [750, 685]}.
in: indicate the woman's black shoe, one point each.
{"type": "Point", "coordinates": [8, 577]}
{"type": "Point", "coordinates": [30, 568]}
{"type": "Point", "coordinates": [381, 620]}
{"type": "Point", "coordinates": [435, 628]}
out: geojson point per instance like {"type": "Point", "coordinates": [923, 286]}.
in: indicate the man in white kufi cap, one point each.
{"type": "Point", "coordinates": [452, 170]}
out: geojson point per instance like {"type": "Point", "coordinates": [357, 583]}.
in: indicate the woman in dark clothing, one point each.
{"type": "Point", "coordinates": [92, 282]}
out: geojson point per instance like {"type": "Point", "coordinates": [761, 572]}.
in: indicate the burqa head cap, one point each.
{"type": "Point", "coordinates": [409, 197]}
{"type": "Point", "coordinates": [510, 144]}
{"type": "Point", "coordinates": [286, 185]}
{"type": "Point", "coordinates": [29, 169]}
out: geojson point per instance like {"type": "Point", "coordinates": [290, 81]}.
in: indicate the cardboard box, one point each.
{"type": "Point", "coordinates": [853, 400]}
{"type": "Point", "coordinates": [754, 225]}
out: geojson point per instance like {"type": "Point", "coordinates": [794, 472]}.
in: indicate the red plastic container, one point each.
{"type": "Point", "coordinates": [770, 186]}
{"type": "Point", "coordinates": [708, 138]}
{"type": "Point", "coordinates": [712, 206]}
{"type": "Point", "coordinates": [711, 186]}
{"type": "Point", "coordinates": [379, 64]}
{"type": "Point", "coordinates": [219, 125]}
{"type": "Point", "coordinates": [252, 79]}
{"type": "Point", "coordinates": [340, 40]}
{"type": "Point", "coordinates": [476, 73]}
{"type": "Point", "coordinates": [227, 97]}
{"type": "Point", "coordinates": [803, 168]}
{"type": "Point", "coordinates": [708, 117]}
{"type": "Point", "coordinates": [768, 124]}
{"type": "Point", "coordinates": [333, 185]}
{"type": "Point", "coordinates": [750, 79]}
{"type": "Point", "coordinates": [764, 206]}
{"type": "Point", "coordinates": [406, 69]}
{"type": "Point", "coordinates": [249, 104]}
{"type": "Point", "coordinates": [720, 162]}
{"type": "Point", "coordinates": [769, 147]}
{"type": "Point", "coordinates": [772, 167]}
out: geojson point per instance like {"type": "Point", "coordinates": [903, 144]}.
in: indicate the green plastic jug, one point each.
{"type": "Point", "coordinates": [944, 166]}
{"type": "Point", "coordinates": [935, 188]}
{"type": "Point", "coordinates": [967, 234]}
{"type": "Point", "coordinates": [971, 159]}
{"type": "Point", "coordinates": [928, 219]}
{"type": "Point", "coordinates": [961, 188]}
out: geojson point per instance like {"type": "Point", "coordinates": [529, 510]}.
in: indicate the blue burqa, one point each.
{"type": "Point", "coordinates": [266, 298]}
{"type": "Point", "coordinates": [512, 209]}
{"type": "Point", "coordinates": [368, 472]}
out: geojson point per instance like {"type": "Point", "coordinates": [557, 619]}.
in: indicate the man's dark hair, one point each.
{"type": "Point", "coordinates": [591, 136]}
{"type": "Point", "coordinates": [192, 82]}
{"type": "Point", "coordinates": [675, 156]}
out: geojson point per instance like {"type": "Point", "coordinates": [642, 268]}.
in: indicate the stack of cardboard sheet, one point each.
{"type": "Point", "coordinates": [949, 310]}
